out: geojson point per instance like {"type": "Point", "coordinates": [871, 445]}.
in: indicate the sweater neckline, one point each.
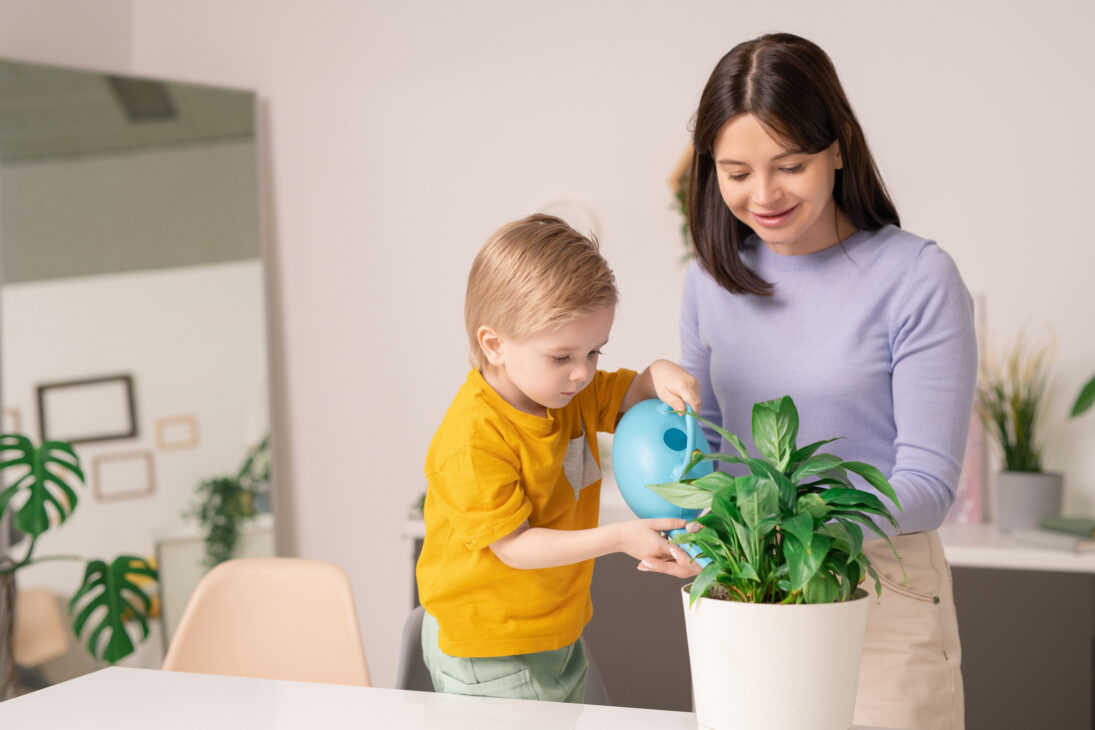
{"type": "Point", "coordinates": [766, 258]}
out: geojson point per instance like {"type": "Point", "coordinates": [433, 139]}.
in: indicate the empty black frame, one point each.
{"type": "Point", "coordinates": [129, 408]}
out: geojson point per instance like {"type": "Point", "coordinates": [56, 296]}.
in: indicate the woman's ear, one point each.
{"type": "Point", "coordinates": [490, 342]}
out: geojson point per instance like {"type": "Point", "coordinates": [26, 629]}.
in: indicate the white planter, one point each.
{"type": "Point", "coordinates": [1023, 498]}
{"type": "Point", "coordinates": [775, 667]}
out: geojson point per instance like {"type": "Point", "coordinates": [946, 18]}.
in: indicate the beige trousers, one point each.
{"type": "Point", "coordinates": [911, 673]}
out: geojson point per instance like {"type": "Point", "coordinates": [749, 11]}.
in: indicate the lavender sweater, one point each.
{"type": "Point", "coordinates": [873, 339]}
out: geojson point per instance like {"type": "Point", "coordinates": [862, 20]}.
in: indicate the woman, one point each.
{"type": "Point", "coordinates": [804, 285]}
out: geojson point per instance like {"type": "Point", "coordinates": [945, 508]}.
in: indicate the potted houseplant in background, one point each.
{"type": "Point", "coordinates": [227, 502]}
{"type": "Point", "coordinates": [1011, 397]}
{"type": "Point", "coordinates": [110, 603]}
{"type": "Point", "coordinates": [776, 619]}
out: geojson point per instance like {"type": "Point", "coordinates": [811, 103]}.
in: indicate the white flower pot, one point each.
{"type": "Point", "coordinates": [775, 667]}
{"type": "Point", "coordinates": [1023, 498]}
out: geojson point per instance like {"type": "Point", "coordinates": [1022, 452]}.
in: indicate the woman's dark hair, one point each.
{"type": "Point", "coordinates": [790, 86]}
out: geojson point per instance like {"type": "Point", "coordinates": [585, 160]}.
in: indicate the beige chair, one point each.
{"type": "Point", "coordinates": [274, 618]}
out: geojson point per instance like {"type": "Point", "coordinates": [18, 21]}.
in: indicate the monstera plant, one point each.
{"type": "Point", "coordinates": [41, 494]}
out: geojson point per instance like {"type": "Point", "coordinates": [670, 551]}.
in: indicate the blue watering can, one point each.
{"type": "Point", "coordinates": [653, 445]}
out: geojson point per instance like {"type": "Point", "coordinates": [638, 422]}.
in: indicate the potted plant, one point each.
{"type": "Point", "coordinates": [41, 496]}
{"type": "Point", "coordinates": [1010, 400]}
{"type": "Point", "coordinates": [776, 620]}
{"type": "Point", "coordinates": [227, 502]}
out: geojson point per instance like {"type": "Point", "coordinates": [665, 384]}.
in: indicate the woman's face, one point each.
{"type": "Point", "coordinates": [783, 194]}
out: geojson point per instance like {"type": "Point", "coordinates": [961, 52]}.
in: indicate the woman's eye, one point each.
{"type": "Point", "coordinates": [793, 169]}
{"type": "Point", "coordinates": [738, 177]}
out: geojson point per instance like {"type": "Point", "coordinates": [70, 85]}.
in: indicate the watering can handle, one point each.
{"type": "Point", "coordinates": [689, 439]}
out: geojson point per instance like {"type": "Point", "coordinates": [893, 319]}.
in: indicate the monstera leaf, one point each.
{"type": "Point", "coordinates": [111, 587]}
{"type": "Point", "coordinates": [41, 482]}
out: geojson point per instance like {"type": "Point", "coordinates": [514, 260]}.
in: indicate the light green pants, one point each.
{"type": "Point", "coordinates": [558, 675]}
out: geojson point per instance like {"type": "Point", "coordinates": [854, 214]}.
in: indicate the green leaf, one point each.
{"type": "Point", "coordinates": [111, 588]}
{"type": "Point", "coordinates": [822, 588]}
{"type": "Point", "coordinates": [757, 499]}
{"type": "Point", "coordinates": [1085, 399]}
{"type": "Point", "coordinates": [42, 484]}
{"type": "Point", "coordinates": [801, 526]}
{"type": "Point", "coordinates": [813, 505]}
{"type": "Point", "coordinates": [788, 429]}
{"type": "Point", "coordinates": [713, 481]}
{"type": "Point", "coordinates": [800, 455]}
{"type": "Point", "coordinates": [730, 438]}
{"type": "Point", "coordinates": [854, 535]}
{"type": "Point", "coordinates": [874, 477]}
{"type": "Point", "coordinates": [766, 430]}
{"type": "Point", "coordinates": [804, 559]}
{"type": "Point", "coordinates": [683, 495]}
{"type": "Point", "coordinates": [703, 581]}
{"type": "Point", "coordinates": [814, 465]}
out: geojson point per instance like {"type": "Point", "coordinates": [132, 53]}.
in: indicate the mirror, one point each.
{"type": "Point", "coordinates": [132, 310]}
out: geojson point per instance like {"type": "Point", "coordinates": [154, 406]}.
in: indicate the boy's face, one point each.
{"type": "Point", "coordinates": [546, 369]}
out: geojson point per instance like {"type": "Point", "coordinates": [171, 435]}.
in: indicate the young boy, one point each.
{"type": "Point", "coordinates": [513, 471]}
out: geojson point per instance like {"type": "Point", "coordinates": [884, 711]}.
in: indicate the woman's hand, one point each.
{"type": "Point", "coordinates": [643, 539]}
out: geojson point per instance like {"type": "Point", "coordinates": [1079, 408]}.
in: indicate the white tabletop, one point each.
{"type": "Point", "coordinates": [120, 697]}
{"type": "Point", "coordinates": [984, 546]}
{"type": "Point", "coordinates": [129, 698]}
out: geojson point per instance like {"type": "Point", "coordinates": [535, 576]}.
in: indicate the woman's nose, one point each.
{"type": "Point", "coordinates": [765, 191]}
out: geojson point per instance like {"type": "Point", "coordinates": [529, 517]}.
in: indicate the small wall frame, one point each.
{"type": "Point", "coordinates": [123, 475]}
{"type": "Point", "coordinates": [177, 432]}
{"type": "Point", "coordinates": [87, 410]}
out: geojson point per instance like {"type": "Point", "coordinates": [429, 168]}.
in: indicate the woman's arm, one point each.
{"type": "Point", "coordinates": [934, 371]}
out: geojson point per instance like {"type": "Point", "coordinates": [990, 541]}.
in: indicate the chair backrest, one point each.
{"type": "Point", "coordinates": [412, 672]}
{"type": "Point", "coordinates": [273, 618]}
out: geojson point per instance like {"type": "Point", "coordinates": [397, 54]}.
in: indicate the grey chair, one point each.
{"type": "Point", "coordinates": [413, 674]}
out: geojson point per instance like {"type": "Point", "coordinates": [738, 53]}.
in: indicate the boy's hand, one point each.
{"type": "Point", "coordinates": [643, 539]}
{"type": "Point", "coordinates": [674, 385]}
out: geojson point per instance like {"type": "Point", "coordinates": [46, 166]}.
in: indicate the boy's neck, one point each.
{"type": "Point", "coordinates": [507, 391]}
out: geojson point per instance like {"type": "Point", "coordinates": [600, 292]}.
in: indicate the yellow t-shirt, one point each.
{"type": "Point", "coordinates": [490, 467]}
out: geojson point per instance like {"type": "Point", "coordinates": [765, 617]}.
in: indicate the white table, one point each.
{"type": "Point", "coordinates": [127, 698]}
{"type": "Point", "coordinates": [984, 546]}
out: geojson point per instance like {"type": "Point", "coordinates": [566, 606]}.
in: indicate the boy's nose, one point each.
{"type": "Point", "coordinates": [579, 373]}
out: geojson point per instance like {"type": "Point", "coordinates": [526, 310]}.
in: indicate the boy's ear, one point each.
{"type": "Point", "coordinates": [490, 342]}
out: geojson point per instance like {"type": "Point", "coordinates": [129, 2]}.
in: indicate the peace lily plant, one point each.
{"type": "Point", "coordinates": [42, 496]}
{"type": "Point", "coordinates": [785, 545]}
{"type": "Point", "coordinates": [791, 531]}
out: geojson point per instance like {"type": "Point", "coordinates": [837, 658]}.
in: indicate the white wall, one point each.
{"type": "Point", "coordinates": [401, 134]}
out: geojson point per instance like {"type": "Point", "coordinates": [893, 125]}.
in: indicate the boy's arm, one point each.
{"type": "Point", "coordinates": [529, 548]}
{"type": "Point", "coordinates": [665, 380]}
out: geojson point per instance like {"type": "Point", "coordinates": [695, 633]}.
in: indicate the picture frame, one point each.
{"type": "Point", "coordinates": [177, 432]}
{"type": "Point", "coordinates": [123, 475]}
{"type": "Point", "coordinates": [87, 410]}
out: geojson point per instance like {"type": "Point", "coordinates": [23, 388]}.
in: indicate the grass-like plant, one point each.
{"type": "Point", "coordinates": [1011, 396]}
{"type": "Point", "coordinates": [791, 531]}
{"type": "Point", "coordinates": [42, 496]}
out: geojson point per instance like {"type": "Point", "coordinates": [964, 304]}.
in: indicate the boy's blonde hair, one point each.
{"type": "Point", "coordinates": [531, 274]}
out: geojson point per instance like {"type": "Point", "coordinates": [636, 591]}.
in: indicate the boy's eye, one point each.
{"type": "Point", "coordinates": [594, 354]}
{"type": "Point", "coordinates": [560, 358]}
